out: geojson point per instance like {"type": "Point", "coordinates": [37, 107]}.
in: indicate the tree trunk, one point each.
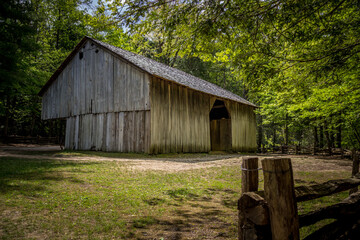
{"type": "Point", "coordinates": [316, 139]}
{"type": "Point", "coordinates": [57, 44]}
{"type": "Point", "coordinates": [7, 116]}
{"type": "Point", "coordinates": [286, 131]}
{"type": "Point", "coordinates": [321, 143]}
{"type": "Point", "coordinates": [274, 137]}
{"type": "Point", "coordinates": [224, 79]}
{"type": "Point", "coordinates": [355, 168]}
{"type": "Point", "coordinates": [338, 137]}
{"type": "Point", "coordinates": [332, 135]}
{"type": "Point", "coordinates": [328, 139]}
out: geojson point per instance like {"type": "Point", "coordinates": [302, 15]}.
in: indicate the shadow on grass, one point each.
{"type": "Point", "coordinates": [29, 176]}
{"type": "Point", "coordinates": [203, 216]}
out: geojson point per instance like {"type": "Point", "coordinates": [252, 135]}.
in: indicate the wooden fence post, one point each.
{"type": "Point", "coordinates": [249, 174]}
{"type": "Point", "coordinates": [249, 183]}
{"type": "Point", "coordinates": [355, 168]}
{"type": "Point", "coordinates": [280, 195]}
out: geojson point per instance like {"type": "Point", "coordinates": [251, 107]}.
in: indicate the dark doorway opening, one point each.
{"type": "Point", "coordinates": [220, 127]}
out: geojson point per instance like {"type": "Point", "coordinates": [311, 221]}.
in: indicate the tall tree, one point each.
{"type": "Point", "coordinates": [308, 49]}
{"type": "Point", "coordinates": [17, 40]}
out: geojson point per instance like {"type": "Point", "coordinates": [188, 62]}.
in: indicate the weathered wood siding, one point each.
{"type": "Point", "coordinates": [120, 132]}
{"type": "Point", "coordinates": [105, 100]}
{"type": "Point", "coordinates": [220, 131]}
{"type": "Point", "coordinates": [179, 118]}
{"type": "Point", "coordinates": [98, 83]}
{"type": "Point", "coordinates": [107, 105]}
{"type": "Point", "coordinates": [243, 126]}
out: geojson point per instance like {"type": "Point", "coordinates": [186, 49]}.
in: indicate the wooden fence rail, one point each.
{"type": "Point", "coordinates": [272, 213]}
{"type": "Point", "coordinates": [298, 149]}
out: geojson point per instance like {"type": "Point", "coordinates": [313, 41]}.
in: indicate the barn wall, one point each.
{"type": "Point", "coordinates": [97, 83]}
{"type": "Point", "coordinates": [243, 126]}
{"type": "Point", "coordinates": [120, 132]}
{"type": "Point", "coordinates": [179, 118]}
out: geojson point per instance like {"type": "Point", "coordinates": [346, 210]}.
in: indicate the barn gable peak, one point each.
{"type": "Point", "coordinates": [154, 68]}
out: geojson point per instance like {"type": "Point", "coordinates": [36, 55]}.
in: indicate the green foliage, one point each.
{"type": "Point", "coordinates": [17, 30]}
{"type": "Point", "coordinates": [298, 59]}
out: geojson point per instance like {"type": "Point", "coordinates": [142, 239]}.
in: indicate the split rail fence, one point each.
{"type": "Point", "coordinates": [273, 214]}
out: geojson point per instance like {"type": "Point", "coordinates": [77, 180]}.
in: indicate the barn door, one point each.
{"type": "Point", "coordinates": [220, 127]}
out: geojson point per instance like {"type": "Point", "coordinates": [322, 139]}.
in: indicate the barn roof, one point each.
{"type": "Point", "coordinates": [156, 69]}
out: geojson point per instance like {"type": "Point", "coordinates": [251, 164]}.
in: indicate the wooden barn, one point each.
{"type": "Point", "coordinates": [115, 100]}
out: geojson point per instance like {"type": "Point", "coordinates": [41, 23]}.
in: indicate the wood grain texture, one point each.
{"type": "Point", "coordinates": [280, 195]}
{"type": "Point", "coordinates": [180, 121]}
{"type": "Point", "coordinates": [243, 127]}
{"type": "Point", "coordinates": [249, 174]}
{"type": "Point", "coordinates": [305, 193]}
{"type": "Point", "coordinates": [101, 83]}
{"type": "Point", "coordinates": [98, 83]}
{"type": "Point", "coordinates": [120, 132]}
{"type": "Point", "coordinates": [179, 118]}
{"type": "Point", "coordinates": [346, 208]}
{"type": "Point", "coordinates": [254, 220]}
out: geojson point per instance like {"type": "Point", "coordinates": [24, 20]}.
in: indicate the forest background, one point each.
{"type": "Point", "coordinates": [297, 60]}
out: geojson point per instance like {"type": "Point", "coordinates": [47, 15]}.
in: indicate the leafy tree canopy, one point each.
{"type": "Point", "coordinates": [298, 57]}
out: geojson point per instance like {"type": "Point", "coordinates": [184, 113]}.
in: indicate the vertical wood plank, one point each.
{"type": "Point", "coordinates": [146, 91]}
{"type": "Point", "coordinates": [110, 132]}
{"type": "Point", "coordinates": [87, 86]}
{"type": "Point", "coordinates": [83, 82]}
{"type": "Point", "coordinates": [117, 86]}
{"type": "Point", "coordinates": [126, 132]}
{"type": "Point", "coordinates": [93, 131]}
{"type": "Point", "coordinates": [76, 134]}
{"type": "Point", "coordinates": [120, 133]}
{"type": "Point", "coordinates": [100, 129]}
{"type": "Point", "coordinates": [135, 131]}
{"type": "Point", "coordinates": [110, 82]}
{"type": "Point", "coordinates": [141, 141]}
{"type": "Point", "coordinates": [104, 127]}
{"type": "Point", "coordinates": [147, 130]}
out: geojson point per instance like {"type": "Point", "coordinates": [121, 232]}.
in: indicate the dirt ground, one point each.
{"type": "Point", "coordinates": [174, 164]}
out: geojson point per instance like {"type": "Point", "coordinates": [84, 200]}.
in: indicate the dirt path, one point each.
{"type": "Point", "coordinates": [173, 163]}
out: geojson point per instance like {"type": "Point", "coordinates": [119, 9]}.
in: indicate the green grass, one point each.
{"type": "Point", "coordinates": [104, 200]}
{"type": "Point", "coordinates": [66, 199]}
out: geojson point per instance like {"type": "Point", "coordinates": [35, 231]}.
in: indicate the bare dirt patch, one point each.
{"type": "Point", "coordinates": [307, 163]}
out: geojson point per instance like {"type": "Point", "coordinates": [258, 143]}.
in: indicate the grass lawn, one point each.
{"type": "Point", "coordinates": [68, 199]}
